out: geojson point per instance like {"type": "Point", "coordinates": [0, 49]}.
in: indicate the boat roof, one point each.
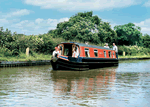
{"type": "Point", "coordinates": [85, 45]}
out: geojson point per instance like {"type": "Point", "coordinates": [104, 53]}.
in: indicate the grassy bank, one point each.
{"type": "Point", "coordinates": [144, 56]}
{"type": "Point", "coordinates": [23, 57]}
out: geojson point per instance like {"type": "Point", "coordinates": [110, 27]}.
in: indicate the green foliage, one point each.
{"type": "Point", "coordinates": [22, 55]}
{"type": "Point", "coordinates": [85, 27]}
{"type": "Point", "coordinates": [5, 52]}
{"type": "Point", "coordinates": [125, 49]}
{"type": "Point", "coordinates": [128, 34]}
{"type": "Point", "coordinates": [80, 28]}
{"type": "Point", "coordinates": [133, 50]}
{"type": "Point", "coordinates": [146, 41]}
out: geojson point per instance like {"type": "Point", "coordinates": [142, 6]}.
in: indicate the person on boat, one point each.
{"type": "Point", "coordinates": [59, 50]}
{"type": "Point", "coordinates": [86, 43]}
{"type": "Point", "coordinates": [55, 52]}
{"type": "Point", "coordinates": [75, 52]}
{"type": "Point", "coordinates": [106, 45]}
{"type": "Point", "coordinates": [116, 49]}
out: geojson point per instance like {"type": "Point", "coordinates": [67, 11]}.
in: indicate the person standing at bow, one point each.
{"type": "Point", "coordinates": [116, 49]}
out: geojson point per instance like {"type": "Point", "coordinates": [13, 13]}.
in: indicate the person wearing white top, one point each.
{"type": "Point", "coordinates": [75, 52]}
{"type": "Point", "coordinates": [55, 52]}
{"type": "Point", "coordinates": [106, 45]}
{"type": "Point", "coordinates": [116, 49]}
{"type": "Point", "coordinates": [59, 50]}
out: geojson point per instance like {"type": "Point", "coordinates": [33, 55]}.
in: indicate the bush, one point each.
{"type": "Point", "coordinates": [15, 52]}
{"type": "Point", "coordinates": [5, 52]}
{"type": "Point", "coordinates": [133, 50]}
{"type": "Point", "coordinates": [22, 55]}
{"type": "Point", "coordinates": [120, 50]}
{"type": "Point", "coordinates": [1, 55]}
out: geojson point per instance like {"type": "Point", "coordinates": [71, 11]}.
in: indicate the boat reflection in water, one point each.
{"type": "Point", "coordinates": [84, 84]}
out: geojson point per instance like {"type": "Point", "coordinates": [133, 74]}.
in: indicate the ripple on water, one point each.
{"type": "Point", "coordinates": [125, 85]}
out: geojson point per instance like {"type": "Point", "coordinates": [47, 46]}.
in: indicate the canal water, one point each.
{"type": "Point", "coordinates": [127, 85]}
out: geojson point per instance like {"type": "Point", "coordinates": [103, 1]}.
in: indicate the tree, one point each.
{"type": "Point", "coordinates": [85, 27]}
{"type": "Point", "coordinates": [128, 34]}
{"type": "Point", "coordinates": [146, 41]}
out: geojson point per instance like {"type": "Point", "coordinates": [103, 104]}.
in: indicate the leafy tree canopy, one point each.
{"type": "Point", "coordinates": [146, 41]}
{"type": "Point", "coordinates": [128, 34]}
{"type": "Point", "coordinates": [85, 27]}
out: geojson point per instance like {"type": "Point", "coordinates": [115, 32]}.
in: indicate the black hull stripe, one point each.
{"type": "Point", "coordinates": [83, 65]}
{"type": "Point", "coordinates": [73, 68]}
{"type": "Point", "coordinates": [70, 64]}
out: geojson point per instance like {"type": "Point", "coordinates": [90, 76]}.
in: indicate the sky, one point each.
{"type": "Point", "coordinates": [39, 16]}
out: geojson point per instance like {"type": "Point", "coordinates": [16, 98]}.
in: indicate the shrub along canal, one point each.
{"type": "Point", "coordinates": [39, 86]}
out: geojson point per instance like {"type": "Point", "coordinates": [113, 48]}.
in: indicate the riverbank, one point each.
{"type": "Point", "coordinates": [23, 60]}
{"type": "Point", "coordinates": [37, 57]}
{"type": "Point", "coordinates": [134, 57]}
{"type": "Point", "coordinates": [46, 60]}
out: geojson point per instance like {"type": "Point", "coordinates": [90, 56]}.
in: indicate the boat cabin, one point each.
{"type": "Point", "coordinates": [84, 50]}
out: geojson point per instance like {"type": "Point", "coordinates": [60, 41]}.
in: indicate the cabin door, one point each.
{"type": "Point", "coordinates": [67, 49]}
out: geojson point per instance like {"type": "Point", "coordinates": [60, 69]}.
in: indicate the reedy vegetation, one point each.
{"type": "Point", "coordinates": [80, 28]}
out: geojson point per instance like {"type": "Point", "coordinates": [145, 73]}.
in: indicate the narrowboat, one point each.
{"type": "Point", "coordinates": [88, 57]}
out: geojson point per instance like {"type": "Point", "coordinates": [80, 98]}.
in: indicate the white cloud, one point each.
{"type": "Point", "coordinates": [145, 26]}
{"type": "Point", "coordinates": [51, 20]}
{"type": "Point", "coordinates": [21, 12]}
{"type": "Point", "coordinates": [37, 26]}
{"type": "Point", "coordinates": [20, 24]}
{"type": "Point", "coordinates": [39, 20]}
{"type": "Point", "coordinates": [64, 19]}
{"type": "Point", "coordinates": [4, 21]}
{"type": "Point", "coordinates": [113, 25]}
{"type": "Point", "coordinates": [147, 4]}
{"type": "Point", "coordinates": [71, 5]}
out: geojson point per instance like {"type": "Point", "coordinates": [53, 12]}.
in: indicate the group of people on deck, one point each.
{"type": "Point", "coordinates": [58, 51]}
{"type": "Point", "coordinates": [114, 48]}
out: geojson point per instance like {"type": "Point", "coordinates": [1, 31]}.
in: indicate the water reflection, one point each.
{"type": "Point", "coordinates": [124, 86]}
{"type": "Point", "coordinates": [84, 84]}
{"type": "Point", "coordinates": [23, 85]}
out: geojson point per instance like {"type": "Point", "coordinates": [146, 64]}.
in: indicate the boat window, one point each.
{"type": "Point", "coordinates": [104, 53]}
{"type": "Point", "coordinates": [87, 52]}
{"type": "Point", "coordinates": [109, 53]}
{"type": "Point", "coordinates": [113, 53]}
{"type": "Point", "coordinates": [66, 51]}
{"type": "Point", "coordinates": [95, 53]}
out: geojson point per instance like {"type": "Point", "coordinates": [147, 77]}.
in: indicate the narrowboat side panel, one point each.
{"type": "Point", "coordinates": [82, 53]}
{"type": "Point", "coordinates": [100, 53]}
